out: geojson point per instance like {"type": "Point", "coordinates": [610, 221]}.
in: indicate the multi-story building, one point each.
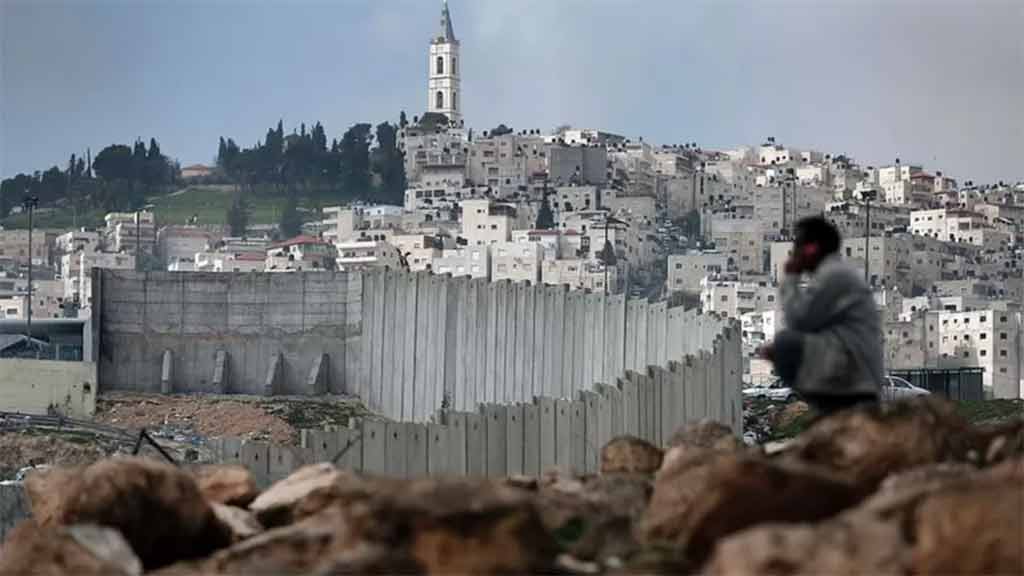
{"type": "Point", "coordinates": [14, 245]}
{"type": "Point", "coordinates": [550, 241]}
{"type": "Point", "coordinates": [579, 274]}
{"type": "Point", "coordinates": [946, 224]}
{"type": "Point", "coordinates": [472, 261]}
{"type": "Point", "coordinates": [130, 232]}
{"type": "Point", "coordinates": [759, 328]}
{"type": "Point", "coordinates": [302, 253]}
{"type": "Point", "coordinates": [355, 254]}
{"type": "Point", "coordinates": [87, 261]}
{"type": "Point", "coordinates": [742, 241]}
{"type": "Point", "coordinates": [734, 298]}
{"type": "Point", "coordinates": [485, 222]}
{"type": "Point", "coordinates": [568, 200]}
{"type": "Point", "coordinates": [686, 271]}
{"type": "Point", "coordinates": [508, 163]}
{"type": "Point", "coordinates": [578, 164]}
{"type": "Point", "coordinates": [516, 261]}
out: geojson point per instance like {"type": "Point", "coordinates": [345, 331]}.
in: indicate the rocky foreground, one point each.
{"type": "Point", "coordinates": [911, 488]}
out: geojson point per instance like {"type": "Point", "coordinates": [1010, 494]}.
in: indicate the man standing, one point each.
{"type": "Point", "coordinates": [831, 351]}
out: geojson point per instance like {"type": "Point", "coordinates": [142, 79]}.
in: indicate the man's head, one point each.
{"type": "Point", "coordinates": [816, 239]}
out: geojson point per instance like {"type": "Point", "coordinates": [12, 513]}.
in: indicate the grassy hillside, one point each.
{"type": "Point", "coordinates": [210, 203]}
{"type": "Point", "coordinates": [54, 219]}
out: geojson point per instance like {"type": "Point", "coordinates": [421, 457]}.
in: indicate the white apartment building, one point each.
{"type": "Point", "coordinates": [686, 271]}
{"type": "Point", "coordinates": [438, 190]}
{"type": "Point", "coordinates": [485, 222]}
{"type": "Point", "coordinates": [472, 261]}
{"type": "Point", "coordinates": [579, 274]}
{"type": "Point", "coordinates": [550, 241]}
{"type": "Point", "coordinates": [895, 173]}
{"type": "Point", "coordinates": [125, 231]}
{"type": "Point", "coordinates": [516, 261]}
{"type": "Point", "coordinates": [356, 254]}
{"type": "Point", "coordinates": [989, 339]}
{"type": "Point", "coordinates": [107, 260]}
{"type": "Point", "coordinates": [945, 224]}
{"type": "Point", "coordinates": [759, 328]}
{"type": "Point", "coordinates": [47, 301]}
{"type": "Point", "coordinates": [507, 163]}
{"type": "Point", "coordinates": [777, 155]}
{"type": "Point", "coordinates": [734, 298]}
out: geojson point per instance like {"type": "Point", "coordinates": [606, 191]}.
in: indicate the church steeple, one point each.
{"type": "Point", "coordinates": [447, 33]}
{"type": "Point", "coordinates": [443, 83]}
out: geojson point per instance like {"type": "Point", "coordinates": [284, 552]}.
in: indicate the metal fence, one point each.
{"type": "Point", "coordinates": [962, 384]}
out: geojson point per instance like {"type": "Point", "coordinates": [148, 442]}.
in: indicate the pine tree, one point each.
{"type": "Point", "coordinates": [545, 217]}
{"type": "Point", "coordinates": [238, 214]}
{"type": "Point", "coordinates": [291, 221]}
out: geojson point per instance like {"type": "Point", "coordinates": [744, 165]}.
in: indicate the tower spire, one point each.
{"type": "Point", "coordinates": [447, 33]}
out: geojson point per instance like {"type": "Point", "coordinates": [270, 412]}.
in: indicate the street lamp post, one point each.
{"type": "Point", "coordinates": [868, 196]}
{"type": "Point", "coordinates": [30, 204]}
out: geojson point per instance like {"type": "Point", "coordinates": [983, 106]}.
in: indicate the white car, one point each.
{"type": "Point", "coordinates": [776, 391]}
{"type": "Point", "coordinates": [893, 389]}
{"type": "Point", "coordinates": [896, 388]}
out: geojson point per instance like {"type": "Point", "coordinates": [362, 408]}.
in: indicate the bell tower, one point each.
{"type": "Point", "coordinates": [443, 91]}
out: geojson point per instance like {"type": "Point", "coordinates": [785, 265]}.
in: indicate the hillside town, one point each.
{"type": "Point", "coordinates": [609, 214]}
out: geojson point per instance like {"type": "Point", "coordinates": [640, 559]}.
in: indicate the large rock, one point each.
{"type": "Point", "coordinates": [274, 506]}
{"type": "Point", "coordinates": [971, 528]}
{"type": "Point", "coordinates": [156, 506]}
{"type": "Point", "coordinates": [242, 523]}
{"type": "Point", "coordinates": [700, 498]}
{"type": "Point", "coordinates": [46, 490]}
{"type": "Point", "coordinates": [865, 445]}
{"type": "Point", "coordinates": [228, 484]}
{"type": "Point", "coordinates": [630, 455]}
{"type": "Point", "coordinates": [433, 526]}
{"type": "Point", "coordinates": [836, 547]}
{"type": "Point", "coordinates": [706, 433]}
{"type": "Point", "coordinates": [75, 549]}
{"type": "Point", "coordinates": [592, 518]}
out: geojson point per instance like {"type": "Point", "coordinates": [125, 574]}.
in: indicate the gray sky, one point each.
{"type": "Point", "coordinates": [935, 82]}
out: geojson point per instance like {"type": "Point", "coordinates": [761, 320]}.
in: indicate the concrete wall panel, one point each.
{"type": "Point", "coordinates": [476, 445]}
{"type": "Point", "coordinates": [514, 436]}
{"type": "Point", "coordinates": [531, 440]}
{"type": "Point", "coordinates": [563, 433]}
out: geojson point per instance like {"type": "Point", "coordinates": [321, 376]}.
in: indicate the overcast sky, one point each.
{"type": "Point", "coordinates": [935, 82]}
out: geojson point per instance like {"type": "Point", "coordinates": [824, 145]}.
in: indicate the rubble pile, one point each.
{"type": "Point", "coordinates": [908, 488]}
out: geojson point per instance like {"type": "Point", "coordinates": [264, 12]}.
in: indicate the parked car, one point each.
{"type": "Point", "coordinates": [776, 391]}
{"type": "Point", "coordinates": [896, 388]}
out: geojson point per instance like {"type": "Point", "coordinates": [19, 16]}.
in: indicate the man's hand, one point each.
{"type": "Point", "coordinates": [766, 351]}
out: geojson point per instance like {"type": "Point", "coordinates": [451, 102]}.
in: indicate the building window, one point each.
{"type": "Point", "coordinates": [1002, 335]}
{"type": "Point", "coordinates": [984, 352]}
{"type": "Point", "coordinates": [440, 65]}
{"type": "Point", "coordinates": [439, 100]}
{"type": "Point", "coordinates": [1002, 370]}
{"type": "Point", "coordinates": [1002, 353]}
{"type": "Point", "coordinates": [455, 100]}
{"type": "Point", "coordinates": [455, 70]}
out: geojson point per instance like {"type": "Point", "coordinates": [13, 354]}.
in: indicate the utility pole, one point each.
{"type": "Point", "coordinates": [30, 204]}
{"type": "Point", "coordinates": [868, 196]}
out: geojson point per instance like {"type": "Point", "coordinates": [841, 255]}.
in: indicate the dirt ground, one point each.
{"type": "Point", "coordinates": [276, 419]}
{"type": "Point", "coordinates": [181, 424]}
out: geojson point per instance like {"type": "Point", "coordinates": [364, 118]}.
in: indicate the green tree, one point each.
{"type": "Point", "coordinates": [238, 214]}
{"type": "Point", "coordinates": [389, 165]}
{"type": "Point", "coordinates": [354, 157]}
{"type": "Point", "coordinates": [545, 217]}
{"type": "Point", "coordinates": [291, 221]}
{"type": "Point", "coordinates": [607, 254]}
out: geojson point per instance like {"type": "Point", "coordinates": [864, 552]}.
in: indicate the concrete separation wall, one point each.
{"type": "Point", "coordinates": [430, 342]}
{"type": "Point", "coordinates": [231, 332]}
{"type": "Point", "coordinates": [43, 387]}
{"type": "Point", "coordinates": [515, 438]}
